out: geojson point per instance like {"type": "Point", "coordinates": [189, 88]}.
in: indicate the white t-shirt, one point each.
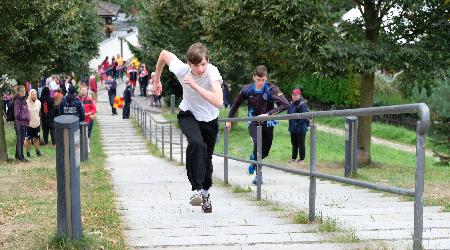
{"type": "Point", "coordinates": [53, 85]}
{"type": "Point", "coordinates": [193, 101]}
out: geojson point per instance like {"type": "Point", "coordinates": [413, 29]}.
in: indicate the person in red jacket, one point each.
{"type": "Point", "coordinates": [89, 107]}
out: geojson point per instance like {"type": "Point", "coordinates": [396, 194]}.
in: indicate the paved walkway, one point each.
{"type": "Point", "coordinates": [152, 196]}
{"type": "Point", "coordinates": [153, 192]}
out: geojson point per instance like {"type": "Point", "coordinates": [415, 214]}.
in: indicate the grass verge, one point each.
{"type": "Point", "coordinates": [28, 202]}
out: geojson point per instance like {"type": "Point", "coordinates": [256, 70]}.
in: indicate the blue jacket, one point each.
{"type": "Point", "coordinates": [298, 126]}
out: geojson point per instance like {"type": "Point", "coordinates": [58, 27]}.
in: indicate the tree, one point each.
{"type": "Point", "coordinates": [279, 34]}
{"type": "Point", "coordinates": [405, 35]}
{"type": "Point", "coordinates": [169, 25]}
{"type": "Point", "coordinates": [43, 37]}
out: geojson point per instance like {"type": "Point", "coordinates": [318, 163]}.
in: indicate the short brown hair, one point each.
{"type": "Point", "coordinates": [196, 53]}
{"type": "Point", "coordinates": [260, 71]}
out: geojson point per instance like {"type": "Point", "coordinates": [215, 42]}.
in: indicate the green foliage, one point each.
{"type": "Point", "coordinates": [172, 26]}
{"type": "Point", "coordinates": [7, 84]}
{"type": "Point", "coordinates": [279, 34]}
{"type": "Point", "coordinates": [337, 90]}
{"type": "Point", "coordinates": [240, 189]}
{"type": "Point", "coordinates": [301, 217]}
{"type": "Point", "coordinates": [42, 37]}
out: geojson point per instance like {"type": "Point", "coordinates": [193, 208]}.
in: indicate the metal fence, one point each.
{"type": "Point", "coordinates": [422, 126]}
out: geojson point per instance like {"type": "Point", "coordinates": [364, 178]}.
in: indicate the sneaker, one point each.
{"type": "Point", "coordinates": [207, 207]}
{"type": "Point", "coordinates": [255, 180]}
{"type": "Point", "coordinates": [251, 169]}
{"type": "Point", "coordinates": [28, 154]}
{"type": "Point", "coordinates": [196, 198]}
{"type": "Point", "coordinates": [292, 160]}
{"type": "Point", "coordinates": [300, 161]}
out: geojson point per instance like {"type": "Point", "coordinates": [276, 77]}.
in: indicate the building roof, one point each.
{"type": "Point", "coordinates": [107, 9]}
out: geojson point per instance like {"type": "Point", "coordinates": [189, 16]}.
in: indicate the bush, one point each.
{"type": "Point", "coordinates": [338, 91]}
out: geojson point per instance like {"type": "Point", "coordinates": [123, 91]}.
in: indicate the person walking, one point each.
{"type": "Point", "coordinates": [132, 77]}
{"type": "Point", "coordinates": [127, 100]}
{"type": "Point", "coordinates": [199, 110]}
{"type": "Point", "coordinates": [47, 115]}
{"type": "Point", "coordinates": [298, 127]}
{"type": "Point", "coordinates": [261, 97]}
{"type": "Point", "coordinates": [21, 121]}
{"type": "Point", "coordinates": [111, 86]}
{"type": "Point", "coordinates": [32, 136]}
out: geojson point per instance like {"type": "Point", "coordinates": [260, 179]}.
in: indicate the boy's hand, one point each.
{"type": "Point", "coordinates": [190, 81]}
{"type": "Point", "coordinates": [157, 87]}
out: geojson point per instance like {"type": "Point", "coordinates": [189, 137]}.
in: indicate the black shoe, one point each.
{"type": "Point", "coordinates": [38, 153]}
{"type": "Point", "coordinates": [28, 154]}
{"type": "Point", "coordinates": [206, 206]}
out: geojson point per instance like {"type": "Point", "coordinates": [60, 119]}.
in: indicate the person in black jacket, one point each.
{"type": "Point", "coordinates": [47, 115]}
{"type": "Point", "coordinates": [127, 100]}
{"type": "Point", "coordinates": [298, 127]}
{"type": "Point", "coordinates": [70, 105]}
{"type": "Point", "coordinates": [261, 97]}
{"type": "Point", "coordinates": [111, 86]}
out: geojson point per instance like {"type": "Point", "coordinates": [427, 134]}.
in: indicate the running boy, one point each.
{"type": "Point", "coordinates": [199, 109]}
{"type": "Point", "coordinates": [261, 97]}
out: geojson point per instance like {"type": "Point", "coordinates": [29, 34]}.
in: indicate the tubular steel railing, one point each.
{"type": "Point", "coordinates": [421, 129]}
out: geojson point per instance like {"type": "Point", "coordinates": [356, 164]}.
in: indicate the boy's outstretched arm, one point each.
{"type": "Point", "coordinates": [165, 57]}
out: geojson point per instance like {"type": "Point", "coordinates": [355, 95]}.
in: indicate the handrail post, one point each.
{"type": "Point", "coordinates": [145, 125]}
{"type": "Point", "coordinates": [181, 147]}
{"type": "Point", "coordinates": [225, 155]}
{"type": "Point", "coordinates": [170, 143]}
{"type": "Point", "coordinates": [162, 139]}
{"type": "Point", "coordinates": [418, 201]}
{"type": "Point", "coordinates": [172, 104]}
{"type": "Point", "coordinates": [312, 170]}
{"type": "Point", "coordinates": [150, 130]}
{"type": "Point", "coordinates": [156, 134]}
{"type": "Point", "coordinates": [259, 158]}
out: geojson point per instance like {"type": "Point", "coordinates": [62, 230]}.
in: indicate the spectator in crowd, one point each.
{"type": "Point", "coordinates": [114, 68]}
{"type": "Point", "coordinates": [70, 105]}
{"type": "Point", "coordinates": [127, 100]}
{"type": "Point", "coordinates": [143, 80]}
{"type": "Point", "coordinates": [132, 76]}
{"type": "Point", "coordinates": [47, 115]}
{"type": "Point", "coordinates": [120, 67]}
{"type": "Point", "coordinates": [226, 95]}
{"type": "Point", "coordinates": [111, 86]}
{"type": "Point", "coordinates": [93, 87]}
{"type": "Point", "coordinates": [150, 89]}
{"type": "Point", "coordinates": [58, 97]}
{"type": "Point", "coordinates": [6, 98]}
{"type": "Point", "coordinates": [21, 121]}
{"type": "Point", "coordinates": [105, 67]}
{"type": "Point", "coordinates": [90, 108]}
{"type": "Point", "coordinates": [53, 86]}
{"type": "Point", "coordinates": [261, 99]}
{"type": "Point", "coordinates": [298, 127]}
{"type": "Point", "coordinates": [32, 136]}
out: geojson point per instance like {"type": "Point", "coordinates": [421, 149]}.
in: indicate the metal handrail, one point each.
{"type": "Point", "coordinates": [423, 125]}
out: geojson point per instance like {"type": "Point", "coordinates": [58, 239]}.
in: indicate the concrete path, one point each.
{"type": "Point", "coordinates": [373, 216]}
{"type": "Point", "coordinates": [153, 193]}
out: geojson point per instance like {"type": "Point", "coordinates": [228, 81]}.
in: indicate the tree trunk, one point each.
{"type": "Point", "coordinates": [365, 122]}
{"type": "Point", "coordinates": [3, 148]}
{"type": "Point", "coordinates": [372, 32]}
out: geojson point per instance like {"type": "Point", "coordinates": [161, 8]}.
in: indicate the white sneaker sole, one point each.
{"type": "Point", "coordinates": [196, 201]}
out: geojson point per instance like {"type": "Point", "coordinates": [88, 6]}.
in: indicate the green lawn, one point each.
{"type": "Point", "coordinates": [28, 202]}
